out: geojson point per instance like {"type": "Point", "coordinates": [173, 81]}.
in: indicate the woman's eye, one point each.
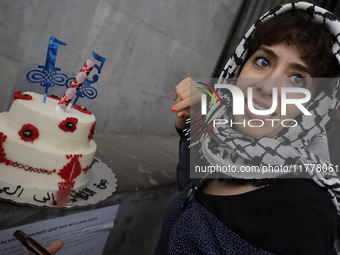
{"type": "Point", "coordinates": [262, 62]}
{"type": "Point", "coordinates": [298, 80]}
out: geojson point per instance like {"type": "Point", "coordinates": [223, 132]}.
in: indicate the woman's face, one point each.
{"type": "Point", "coordinates": [277, 66]}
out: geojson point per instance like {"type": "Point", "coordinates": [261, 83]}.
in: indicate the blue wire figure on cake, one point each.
{"type": "Point", "coordinates": [49, 76]}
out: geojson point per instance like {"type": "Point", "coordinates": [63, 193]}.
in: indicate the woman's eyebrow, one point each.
{"type": "Point", "coordinates": [268, 51]}
{"type": "Point", "coordinates": [299, 67]}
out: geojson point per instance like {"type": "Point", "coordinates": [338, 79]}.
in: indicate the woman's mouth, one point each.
{"type": "Point", "coordinates": [257, 106]}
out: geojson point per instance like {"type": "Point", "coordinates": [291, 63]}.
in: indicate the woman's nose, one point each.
{"type": "Point", "coordinates": [265, 86]}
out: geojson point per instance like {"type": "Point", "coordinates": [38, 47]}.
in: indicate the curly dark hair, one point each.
{"type": "Point", "coordinates": [297, 28]}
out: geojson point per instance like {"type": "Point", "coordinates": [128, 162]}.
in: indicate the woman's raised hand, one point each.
{"type": "Point", "coordinates": [186, 95]}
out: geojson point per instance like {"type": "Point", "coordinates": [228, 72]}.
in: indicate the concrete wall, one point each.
{"type": "Point", "coordinates": [150, 46]}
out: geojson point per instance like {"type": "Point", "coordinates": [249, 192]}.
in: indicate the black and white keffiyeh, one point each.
{"type": "Point", "coordinates": [304, 144]}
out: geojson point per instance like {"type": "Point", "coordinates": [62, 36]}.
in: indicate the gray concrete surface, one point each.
{"type": "Point", "coordinates": [139, 161]}
{"type": "Point", "coordinates": [145, 168]}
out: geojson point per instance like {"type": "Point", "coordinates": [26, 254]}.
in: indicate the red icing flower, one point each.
{"type": "Point", "coordinates": [92, 130]}
{"type": "Point", "coordinates": [54, 97]}
{"type": "Point", "coordinates": [28, 132]}
{"type": "Point", "coordinates": [69, 124]}
{"type": "Point", "coordinates": [82, 109]}
{"type": "Point", "coordinates": [21, 95]}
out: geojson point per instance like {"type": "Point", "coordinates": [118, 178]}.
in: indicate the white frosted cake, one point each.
{"type": "Point", "coordinates": [43, 148]}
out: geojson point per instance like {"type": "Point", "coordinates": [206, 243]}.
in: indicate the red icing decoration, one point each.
{"type": "Point", "coordinates": [28, 132]}
{"type": "Point", "coordinates": [82, 109]}
{"type": "Point", "coordinates": [88, 167]}
{"type": "Point", "coordinates": [8, 162]}
{"type": "Point", "coordinates": [21, 95]}
{"type": "Point", "coordinates": [54, 97]}
{"type": "Point", "coordinates": [69, 172]}
{"type": "Point", "coordinates": [2, 150]}
{"type": "Point", "coordinates": [69, 124]}
{"type": "Point", "coordinates": [62, 197]}
{"type": "Point", "coordinates": [92, 130]}
{"type": "Point", "coordinates": [68, 185]}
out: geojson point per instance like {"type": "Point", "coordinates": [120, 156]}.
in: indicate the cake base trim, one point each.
{"type": "Point", "coordinates": [101, 185]}
{"type": "Point", "coordinates": [68, 173]}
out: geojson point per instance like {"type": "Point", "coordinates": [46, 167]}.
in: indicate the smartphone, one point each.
{"type": "Point", "coordinates": [31, 245]}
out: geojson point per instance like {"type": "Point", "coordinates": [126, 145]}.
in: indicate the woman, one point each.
{"type": "Point", "coordinates": [262, 213]}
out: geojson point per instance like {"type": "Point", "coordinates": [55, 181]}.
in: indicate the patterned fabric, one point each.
{"type": "Point", "coordinates": [196, 231]}
{"type": "Point", "coordinates": [291, 146]}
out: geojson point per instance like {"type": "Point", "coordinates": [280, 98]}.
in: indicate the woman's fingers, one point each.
{"type": "Point", "coordinates": [182, 87]}
{"type": "Point", "coordinates": [183, 96]}
{"type": "Point", "coordinates": [185, 113]}
{"type": "Point", "coordinates": [181, 120]}
{"type": "Point", "coordinates": [186, 94]}
{"type": "Point", "coordinates": [187, 99]}
{"type": "Point", "coordinates": [182, 104]}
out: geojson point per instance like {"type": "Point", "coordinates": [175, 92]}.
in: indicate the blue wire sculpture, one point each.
{"type": "Point", "coordinates": [49, 76]}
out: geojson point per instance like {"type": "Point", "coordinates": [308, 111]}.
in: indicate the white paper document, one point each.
{"type": "Point", "coordinates": [83, 233]}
